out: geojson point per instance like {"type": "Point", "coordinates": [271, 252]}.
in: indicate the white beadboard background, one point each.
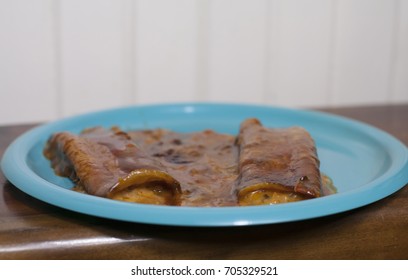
{"type": "Point", "coordinates": [64, 57]}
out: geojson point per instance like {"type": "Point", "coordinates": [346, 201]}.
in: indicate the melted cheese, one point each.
{"type": "Point", "coordinates": [263, 197]}
{"type": "Point", "coordinates": [146, 194]}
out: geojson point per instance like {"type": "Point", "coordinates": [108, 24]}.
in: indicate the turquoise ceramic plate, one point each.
{"type": "Point", "coordinates": [366, 164]}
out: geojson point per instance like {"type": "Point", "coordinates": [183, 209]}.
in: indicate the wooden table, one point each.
{"type": "Point", "coordinates": [32, 229]}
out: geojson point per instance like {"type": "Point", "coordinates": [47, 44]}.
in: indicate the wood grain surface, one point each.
{"type": "Point", "coordinates": [32, 229]}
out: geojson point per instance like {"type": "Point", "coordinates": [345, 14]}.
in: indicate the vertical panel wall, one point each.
{"type": "Point", "coordinates": [28, 80]}
{"type": "Point", "coordinates": [63, 57]}
{"type": "Point", "coordinates": [300, 47]}
{"type": "Point", "coordinates": [237, 50]}
{"type": "Point", "coordinates": [165, 50]}
{"type": "Point", "coordinates": [94, 60]}
{"type": "Point", "coordinates": [363, 47]}
{"type": "Point", "coordinates": [399, 70]}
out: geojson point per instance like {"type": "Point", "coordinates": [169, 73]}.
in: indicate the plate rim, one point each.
{"type": "Point", "coordinates": [212, 217]}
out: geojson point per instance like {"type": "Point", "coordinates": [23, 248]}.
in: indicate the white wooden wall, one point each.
{"type": "Point", "coordinates": [63, 57]}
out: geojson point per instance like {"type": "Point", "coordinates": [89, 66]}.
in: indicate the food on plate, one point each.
{"type": "Point", "coordinates": [276, 165]}
{"type": "Point", "coordinates": [258, 166]}
{"type": "Point", "coordinates": [107, 163]}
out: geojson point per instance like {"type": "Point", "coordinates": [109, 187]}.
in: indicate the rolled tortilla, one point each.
{"type": "Point", "coordinates": [276, 165]}
{"type": "Point", "coordinates": [107, 163]}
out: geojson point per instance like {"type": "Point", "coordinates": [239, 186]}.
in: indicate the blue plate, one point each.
{"type": "Point", "coordinates": [366, 164]}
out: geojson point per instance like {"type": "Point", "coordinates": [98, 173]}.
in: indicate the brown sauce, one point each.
{"type": "Point", "coordinates": [205, 163]}
{"type": "Point", "coordinates": [203, 168]}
